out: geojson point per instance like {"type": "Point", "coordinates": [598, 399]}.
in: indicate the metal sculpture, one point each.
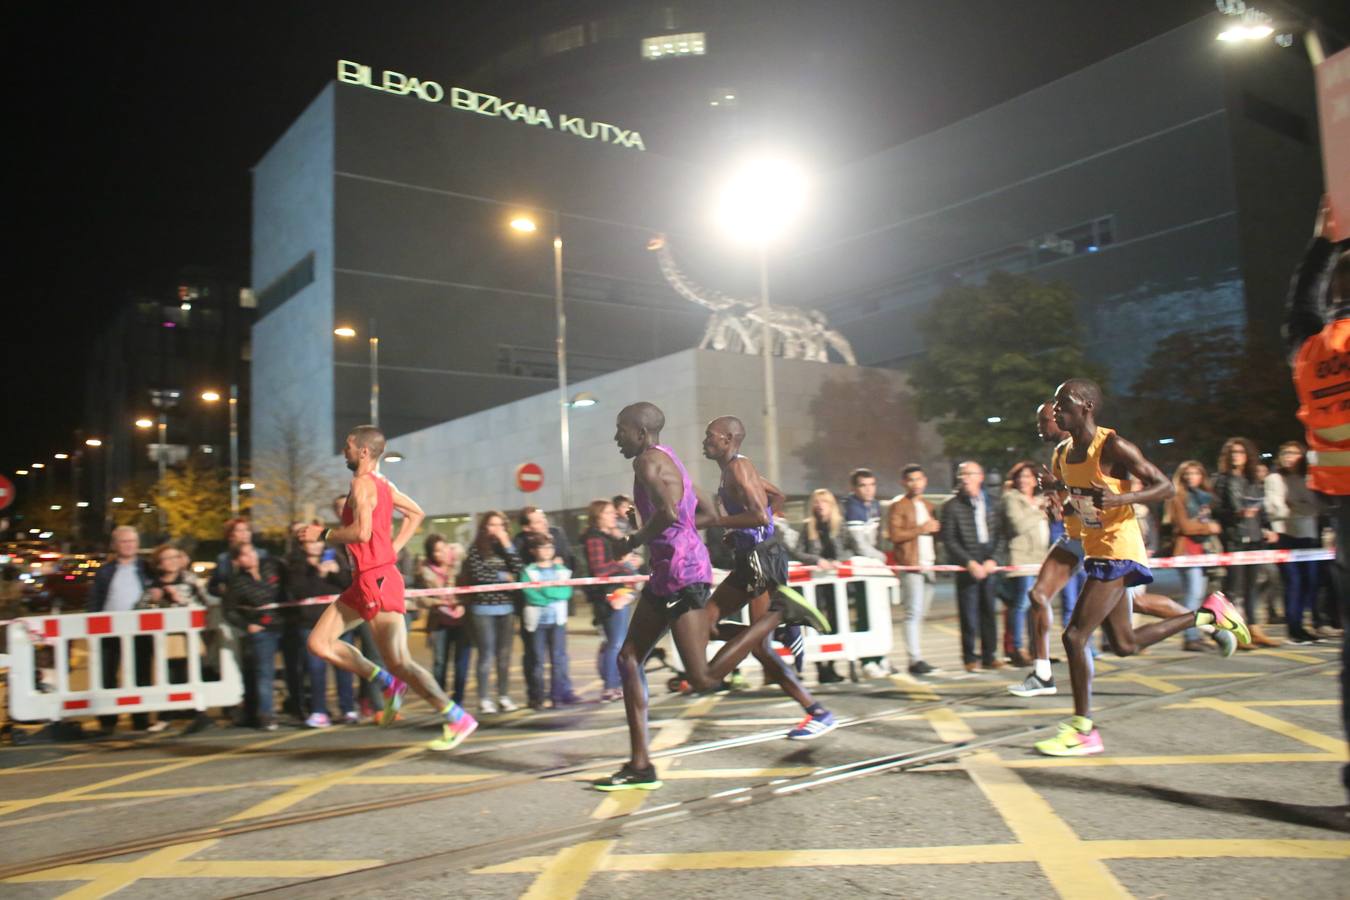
{"type": "Point", "coordinates": [738, 325]}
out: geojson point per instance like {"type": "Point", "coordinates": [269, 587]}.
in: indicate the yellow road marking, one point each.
{"type": "Point", "coordinates": [1270, 723]}
{"type": "Point", "coordinates": [13, 806]}
{"type": "Point", "coordinates": [171, 862]}
{"type": "Point", "coordinates": [1289, 654]}
{"type": "Point", "coordinates": [564, 875]}
{"type": "Point", "coordinates": [1148, 681]}
{"type": "Point", "coordinates": [697, 774]}
{"type": "Point", "coordinates": [1289, 703]}
{"type": "Point", "coordinates": [1191, 760]}
{"type": "Point", "coordinates": [965, 854]}
{"type": "Point", "coordinates": [1071, 868]}
{"type": "Point", "coordinates": [274, 805]}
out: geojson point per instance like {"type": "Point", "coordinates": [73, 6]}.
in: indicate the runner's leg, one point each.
{"type": "Point", "coordinates": [1054, 574]}
{"type": "Point", "coordinates": [391, 634]}
{"type": "Point", "coordinates": [648, 625]}
{"type": "Point", "coordinates": [1126, 640]}
{"type": "Point", "coordinates": [1095, 604]}
{"type": "Point", "coordinates": [325, 640]}
{"type": "Point", "coordinates": [691, 632]}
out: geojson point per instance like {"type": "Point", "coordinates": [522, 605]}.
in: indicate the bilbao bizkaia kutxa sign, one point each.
{"type": "Point", "coordinates": [397, 83]}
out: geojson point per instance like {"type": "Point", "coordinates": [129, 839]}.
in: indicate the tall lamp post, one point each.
{"type": "Point", "coordinates": [346, 331]}
{"type": "Point", "coordinates": [214, 397]}
{"type": "Point", "coordinates": [757, 204]}
{"type": "Point", "coordinates": [525, 224]}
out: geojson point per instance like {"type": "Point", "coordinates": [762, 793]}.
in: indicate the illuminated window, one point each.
{"type": "Point", "coordinates": [562, 41]}
{"type": "Point", "coordinates": [666, 46]}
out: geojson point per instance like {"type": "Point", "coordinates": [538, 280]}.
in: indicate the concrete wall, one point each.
{"type": "Point", "coordinates": [832, 418]}
{"type": "Point", "coordinates": [292, 345]}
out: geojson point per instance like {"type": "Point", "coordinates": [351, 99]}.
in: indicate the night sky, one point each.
{"type": "Point", "coordinates": [137, 125]}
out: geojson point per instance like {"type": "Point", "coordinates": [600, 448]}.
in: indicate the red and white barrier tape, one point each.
{"type": "Point", "coordinates": [844, 570]}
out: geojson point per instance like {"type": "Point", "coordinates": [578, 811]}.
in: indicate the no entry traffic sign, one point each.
{"type": "Point", "coordinates": [529, 477]}
{"type": "Point", "coordinates": [6, 492]}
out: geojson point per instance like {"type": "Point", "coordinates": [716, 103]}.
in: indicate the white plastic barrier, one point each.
{"type": "Point", "coordinates": [28, 703]}
{"type": "Point", "coordinates": [856, 597]}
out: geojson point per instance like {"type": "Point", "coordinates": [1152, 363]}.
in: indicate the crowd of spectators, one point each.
{"type": "Point", "coordinates": [255, 598]}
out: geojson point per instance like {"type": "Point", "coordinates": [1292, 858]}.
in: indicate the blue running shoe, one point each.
{"type": "Point", "coordinates": [812, 727]}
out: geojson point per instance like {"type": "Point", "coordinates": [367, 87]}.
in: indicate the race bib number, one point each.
{"type": "Point", "coordinates": [1086, 504]}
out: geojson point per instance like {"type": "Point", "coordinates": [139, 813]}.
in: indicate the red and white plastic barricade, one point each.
{"type": "Point", "coordinates": [28, 703]}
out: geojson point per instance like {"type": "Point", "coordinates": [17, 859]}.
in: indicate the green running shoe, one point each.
{"type": "Point", "coordinates": [1226, 616]}
{"type": "Point", "coordinates": [797, 611]}
{"type": "Point", "coordinates": [1069, 741]}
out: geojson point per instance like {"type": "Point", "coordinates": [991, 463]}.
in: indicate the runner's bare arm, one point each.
{"type": "Point", "coordinates": [1123, 459]}
{"type": "Point", "coordinates": [747, 488]}
{"type": "Point", "coordinates": [412, 518]}
{"type": "Point", "coordinates": [706, 513]}
{"type": "Point", "coordinates": [663, 485]}
{"type": "Point", "coordinates": [363, 516]}
{"type": "Point", "coordinates": [777, 499]}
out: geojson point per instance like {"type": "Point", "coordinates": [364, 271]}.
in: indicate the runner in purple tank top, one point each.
{"type": "Point", "coordinates": [677, 598]}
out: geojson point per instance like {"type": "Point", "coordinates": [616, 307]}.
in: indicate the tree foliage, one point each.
{"type": "Point", "coordinates": [1202, 387]}
{"type": "Point", "coordinates": [195, 499]}
{"type": "Point", "coordinates": [292, 478]}
{"type": "Point", "coordinates": [997, 350]}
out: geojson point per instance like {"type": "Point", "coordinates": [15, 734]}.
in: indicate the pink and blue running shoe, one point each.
{"type": "Point", "coordinates": [813, 726]}
{"type": "Point", "coordinates": [393, 701]}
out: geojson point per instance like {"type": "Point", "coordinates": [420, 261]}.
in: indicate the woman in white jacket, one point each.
{"type": "Point", "coordinates": [1292, 510]}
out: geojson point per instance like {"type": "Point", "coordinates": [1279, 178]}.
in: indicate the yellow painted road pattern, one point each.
{"type": "Point", "coordinates": [1208, 763]}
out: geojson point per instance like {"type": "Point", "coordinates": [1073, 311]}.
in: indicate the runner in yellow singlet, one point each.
{"type": "Point", "coordinates": [1092, 470]}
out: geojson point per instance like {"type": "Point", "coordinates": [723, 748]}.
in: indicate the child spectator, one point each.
{"type": "Point", "coordinates": [545, 620]}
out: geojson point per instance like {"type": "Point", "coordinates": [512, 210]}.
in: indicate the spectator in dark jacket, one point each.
{"type": "Point", "coordinates": [313, 571]}
{"type": "Point", "coordinates": [118, 586]}
{"type": "Point", "coordinates": [612, 604]}
{"type": "Point", "coordinates": [237, 533]}
{"type": "Point", "coordinates": [256, 583]}
{"type": "Point", "coordinates": [972, 534]}
{"type": "Point", "coordinates": [492, 560]}
{"type": "Point", "coordinates": [1240, 498]}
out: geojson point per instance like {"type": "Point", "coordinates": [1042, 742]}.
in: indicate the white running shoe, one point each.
{"type": "Point", "coordinates": [1033, 686]}
{"type": "Point", "coordinates": [507, 704]}
{"type": "Point", "coordinates": [486, 707]}
{"type": "Point", "coordinates": [873, 670]}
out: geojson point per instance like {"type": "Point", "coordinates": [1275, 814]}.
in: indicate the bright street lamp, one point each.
{"type": "Point", "coordinates": [38, 466]}
{"type": "Point", "coordinates": [757, 205]}
{"type": "Point", "coordinates": [393, 457]}
{"type": "Point", "coordinates": [211, 396]}
{"type": "Point", "coordinates": [582, 400]}
{"type": "Point", "coordinates": [60, 456]}
{"type": "Point", "coordinates": [346, 331]}
{"type": "Point", "coordinates": [1234, 33]}
{"type": "Point", "coordinates": [143, 422]}
{"type": "Point", "coordinates": [93, 442]}
{"type": "Point", "coordinates": [524, 224]}
{"type": "Point", "coordinates": [247, 486]}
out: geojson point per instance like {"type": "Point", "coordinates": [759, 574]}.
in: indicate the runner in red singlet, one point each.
{"type": "Point", "coordinates": [376, 592]}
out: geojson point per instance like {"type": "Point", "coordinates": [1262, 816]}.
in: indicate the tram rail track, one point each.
{"type": "Point", "coordinates": [719, 800]}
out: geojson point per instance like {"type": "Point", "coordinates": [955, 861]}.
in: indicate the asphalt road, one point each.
{"type": "Point", "coordinates": [1221, 778]}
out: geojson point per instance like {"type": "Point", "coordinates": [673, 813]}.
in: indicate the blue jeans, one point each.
{"type": "Point", "coordinates": [318, 680]}
{"type": "Point", "coordinates": [1193, 582]}
{"type": "Point", "coordinates": [492, 636]}
{"type": "Point", "coordinates": [615, 626]}
{"type": "Point", "coordinates": [261, 673]}
{"type": "Point", "coordinates": [549, 642]}
{"type": "Point", "coordinates": [1021, 589]}
{"type": "Point", "coordinates": [444, 641]}
{"type": "Point", "coordinates": [1301, 581]}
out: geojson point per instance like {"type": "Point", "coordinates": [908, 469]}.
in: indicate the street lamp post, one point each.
{"type": "Point", "coordinates": [346, 331]}
{"type": "Point", "coordinates": [526, 225]}
{"type": "Point", "coordinates": [214, 397]}
{"type": "Point", "coordinates": [756, 205]}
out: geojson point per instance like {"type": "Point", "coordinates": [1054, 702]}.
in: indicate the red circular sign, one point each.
{"type": "Point", "coordinates": [529, 477]}
{"type": "Point", "coordinates": [6, 492]}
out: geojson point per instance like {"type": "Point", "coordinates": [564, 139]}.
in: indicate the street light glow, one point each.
{"type": "Point", "coordinates": [83, 504]}
{"type": "Point", "coordinates": [118, 499]}
{"type": "Point", "coordinates": [93, 442]}
{"type": "Point", "coordinates": [583, 400]}
{"type": "Point", "coordinates": [345, 331]}
{"type": "Point", "coordinates": [1235, 33]}
{"type": "Point", "coordinates": [210, 396]}
{"type": "Point", "coordinates": [524, 224]}
{"type": "Point", "coordinates": [761, 200]}
{"type": "Point", "coordinates": [994, 420]}
{"type": "Point", "coordinates": [247, 486]}
{"type": "Point", "coordinates": [60, 456]}
{"type": "Point", "coordinates": [395, 456]}
{"type": "Point", "coordinates": [144, 423]}
{"type": "Point", "coordinates": [38, 466]}
{"type": "Point", "coordinates": [20, 471]}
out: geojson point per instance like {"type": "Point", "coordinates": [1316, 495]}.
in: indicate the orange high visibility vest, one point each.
{"type": "Point", "coordinates": [1322, 379]}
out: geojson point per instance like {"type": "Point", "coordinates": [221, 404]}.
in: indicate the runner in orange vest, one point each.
{"type": "Point", "coordinates": [1317, 330]}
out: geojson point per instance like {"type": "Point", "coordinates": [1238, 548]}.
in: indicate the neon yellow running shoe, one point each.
{"type": "Point", "coordinates": [1226, 616]}
{"type": "Point", "coordinates": [1069, 741]}
{"type": "Point", "coordinates": [797, 610]}
{"type": "Point", "coordinates": [454, 733]}
{"type": "Point", "coordinates": [393, 701]}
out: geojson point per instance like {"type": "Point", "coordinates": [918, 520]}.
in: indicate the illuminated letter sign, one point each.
{"type": "Point", "coordinates": [391, 82]}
